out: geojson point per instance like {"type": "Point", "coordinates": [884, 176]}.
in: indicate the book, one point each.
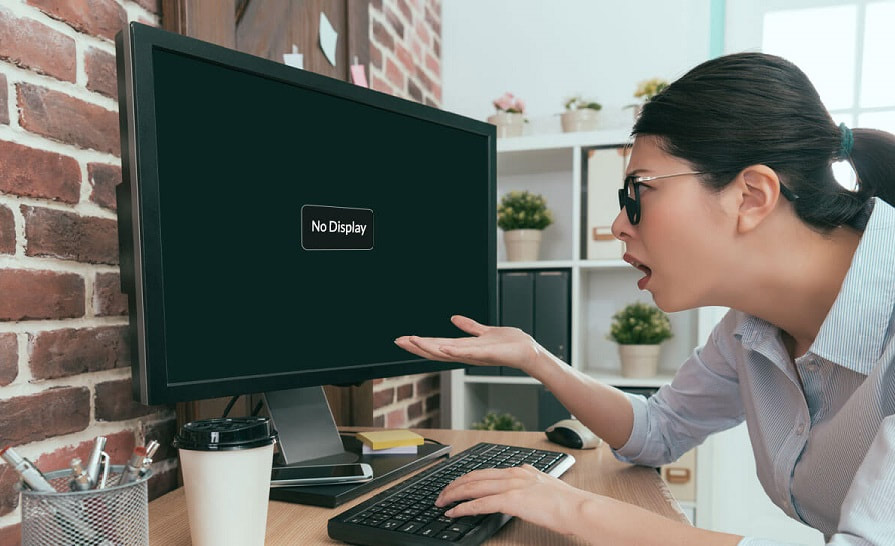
{"type": "Point", "coordinates": [384, 439]}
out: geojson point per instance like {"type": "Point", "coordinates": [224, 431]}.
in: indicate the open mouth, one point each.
{"type": "Point", "coordinates": [641, 284]}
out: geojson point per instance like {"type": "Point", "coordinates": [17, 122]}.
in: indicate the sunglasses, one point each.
{"type": "Point", "coordinates": [629, 195]}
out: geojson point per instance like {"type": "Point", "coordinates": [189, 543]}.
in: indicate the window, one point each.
{"type": "Point", "coordinates": [845, 47]}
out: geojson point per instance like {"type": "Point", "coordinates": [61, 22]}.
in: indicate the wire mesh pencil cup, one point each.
{"type": "Point", "coordinates": [112, 516]}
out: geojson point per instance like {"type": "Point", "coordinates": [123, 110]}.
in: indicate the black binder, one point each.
{"type": "Point", "coordinates": [540, 304]}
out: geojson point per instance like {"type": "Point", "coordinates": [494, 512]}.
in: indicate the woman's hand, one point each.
{"type": "Point", "coordinates": [522, 491]}
{"type": "Point", "coordinates": [527, 493]}
{"type": "Point", "coordinates": [488, 346]}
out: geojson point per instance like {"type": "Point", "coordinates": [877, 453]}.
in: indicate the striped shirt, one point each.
{"type": "Point", "coordinates": [824, 446]}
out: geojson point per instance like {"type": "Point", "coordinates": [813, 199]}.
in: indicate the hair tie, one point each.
{"type": "Point", "coordinates": [846, 142]}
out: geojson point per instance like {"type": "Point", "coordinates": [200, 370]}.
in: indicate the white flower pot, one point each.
{"type": "Point", "coordinates": [639, 360]}
{"type": "Point", "coordinates": [584, 119]}
{"type": "Point", "coordinates": [523, 245]}
{"type": "Point", "coordinates": [509, 124]}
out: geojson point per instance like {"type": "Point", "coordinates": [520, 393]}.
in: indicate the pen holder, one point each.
{"type": "Point", "coordinates": [115, 515]}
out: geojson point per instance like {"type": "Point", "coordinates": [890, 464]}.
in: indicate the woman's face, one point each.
{"type": "Point", "coordinates": [684, 233]}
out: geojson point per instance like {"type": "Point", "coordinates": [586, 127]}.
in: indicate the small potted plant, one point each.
{"type": "Point", "coordinates": [646, 90]}
{"type": "Point", "coordinates": [510, 115]}
{"type": "Point", "coordinates": [580, 114]}
{"type": "Point", "coordinates": [498, 421]}
{"type": "Point", "coordinates": [522, 216]}
{"type": "Point", "coordinates": [638, 329]}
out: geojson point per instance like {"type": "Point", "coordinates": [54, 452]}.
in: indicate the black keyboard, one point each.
{"type": "Point", "coordinates": [405, 514]}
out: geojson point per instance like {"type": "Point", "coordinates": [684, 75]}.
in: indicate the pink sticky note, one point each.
{"type": "Point", "coordinates": [358, 76]}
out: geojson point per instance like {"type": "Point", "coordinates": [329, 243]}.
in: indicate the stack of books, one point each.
{"type": "Point", "coordinates": [390, 442]}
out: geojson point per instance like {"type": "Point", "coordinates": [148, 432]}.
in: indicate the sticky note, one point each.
{"type": "Point", "coordinates": [384, 439]}
{"type": "Point", "coordinates": [358, 75]}
{"type": "Point", "coordinates": [328, 39]}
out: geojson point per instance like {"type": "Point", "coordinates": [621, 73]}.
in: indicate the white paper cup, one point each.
{"type": "Point", "coordinates": [226, 478]}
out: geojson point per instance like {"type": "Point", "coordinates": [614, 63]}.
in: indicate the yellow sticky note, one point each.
{"type": "Point", "coordinates": [384, 439]}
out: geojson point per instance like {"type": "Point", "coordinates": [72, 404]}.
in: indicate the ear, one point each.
{"type": "Point", "coordinates": [758, 188]}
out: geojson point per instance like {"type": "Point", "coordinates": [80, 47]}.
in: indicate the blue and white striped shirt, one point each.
{"type": "Point", "coordinates": [825, 452]}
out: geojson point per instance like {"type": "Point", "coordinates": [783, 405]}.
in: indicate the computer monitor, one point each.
{"type": "Point", "coordinates": [279, 229]}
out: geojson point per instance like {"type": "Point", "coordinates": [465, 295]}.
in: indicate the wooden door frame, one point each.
{"type": "Point", "coordinates": [208, 19]}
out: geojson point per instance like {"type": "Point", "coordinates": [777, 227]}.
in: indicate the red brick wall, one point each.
{"type": "Point", "coordinates": [64, 356]}
{"type": "Point", "coordinates": [64, 364]}
{"type": "Point", "coordinates": [405, 61]}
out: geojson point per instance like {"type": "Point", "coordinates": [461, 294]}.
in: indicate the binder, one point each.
{"type": "Point", "coordinates": [553, 312]}
{"type": "Point", "coordinates": [544, 311]}
{"type": "Point", "coordinates": [516, 299]}
{"type": "Point", "coordinates": [540, 304]}
{"type": "Point", "coordinates": [604, 172]}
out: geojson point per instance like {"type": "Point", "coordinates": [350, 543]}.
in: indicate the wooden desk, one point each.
{"type": "Point", "coordinates": [595, 470]}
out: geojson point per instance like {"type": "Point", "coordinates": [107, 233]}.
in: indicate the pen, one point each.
{"type": "Point", "coordinates": [94, 460]}
{"type": "Point", "coordinates": [151, 448]}
{"type": "Point", "coordinates": [80, 481]}
{"type": "Point", "coordinates": [133, 466]}
{"type": "Point", "coordinates": [31, 476]}
{"type": "Point", "coordinates": [105, 464]}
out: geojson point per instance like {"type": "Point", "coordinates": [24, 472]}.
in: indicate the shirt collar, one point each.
{"type": "Point", "coordinates": [853, 333]}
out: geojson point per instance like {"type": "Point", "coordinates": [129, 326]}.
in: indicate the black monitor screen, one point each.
{"type": "Point", "coordinates": [292, 226]}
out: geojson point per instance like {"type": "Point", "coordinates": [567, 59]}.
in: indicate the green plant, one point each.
{"type": "Point", "coordinates": [647, 89]}
{"type": "Point", "coordinates": [498, 421]}
{"type": "Point", "coordinates": [523, 210]}
{"type": "Point", "coordinates": [640, 324]}
{"type": "Point", "coordinates": [578, 103]}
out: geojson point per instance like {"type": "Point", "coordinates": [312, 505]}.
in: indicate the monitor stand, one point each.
{"type": "Point", "coordinates": [308, 436]}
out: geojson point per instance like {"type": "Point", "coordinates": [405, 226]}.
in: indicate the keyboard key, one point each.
{"type": "Point", "coordinates": [411, 527]}
{"type": "Point", "coordinates": [459, 528]}
{"type": "Point", "coordinates": [432, 529]}
{"type": "Point", "coordinates": [448, 535]}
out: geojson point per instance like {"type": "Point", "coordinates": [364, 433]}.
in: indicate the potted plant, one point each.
{"type": "Point", "coordinates": [522, 216]}
{"type": "Point", "coordinates": [646, 90]}
{"type": "Point", "coordinates": [638, 329]}
{"type": "Point", "coordinates": [510, 115]}
{"type": "Point", "coordinates": [498, 421]}
{"type": "Point", "coordinates": [580, 114]}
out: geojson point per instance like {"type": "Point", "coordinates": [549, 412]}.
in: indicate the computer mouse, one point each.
{"type": "Point", "coordinates": [571, 433]}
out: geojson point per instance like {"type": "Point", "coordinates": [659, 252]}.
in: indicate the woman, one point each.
{"type": "Point", "coordinates": [730, 200]}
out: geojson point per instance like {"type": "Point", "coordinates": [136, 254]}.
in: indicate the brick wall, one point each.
{"type": "Point", "coordinates": [405, 61]}
{"type": "Point", "coordinates": [64, 365]}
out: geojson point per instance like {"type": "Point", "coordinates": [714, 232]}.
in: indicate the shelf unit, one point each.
{"type": "Point", "coordinates": [553, 165]}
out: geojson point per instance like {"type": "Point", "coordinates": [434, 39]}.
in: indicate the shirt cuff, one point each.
{"type": "Point", "coordinates": [633, 448]}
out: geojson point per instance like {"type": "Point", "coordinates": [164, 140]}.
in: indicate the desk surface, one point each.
{"type": "Point", "coordinates": [595, 470]}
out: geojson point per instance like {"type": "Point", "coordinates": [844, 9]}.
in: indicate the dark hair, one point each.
{"type": "Point", "coordinates": [752, 108]}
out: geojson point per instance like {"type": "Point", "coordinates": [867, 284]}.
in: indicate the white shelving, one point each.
{"type": "Point", "coordinates": [553, 165]}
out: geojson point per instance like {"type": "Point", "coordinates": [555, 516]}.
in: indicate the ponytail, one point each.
{"type": "Point", "coordinates": [873, 158]}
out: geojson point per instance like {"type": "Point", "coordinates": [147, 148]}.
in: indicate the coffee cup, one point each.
{"type": "Point", "coordinates": [226, 467]}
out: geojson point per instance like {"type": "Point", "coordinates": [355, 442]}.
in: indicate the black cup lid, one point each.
{"type": "Point", "coordinates": [226, 434]}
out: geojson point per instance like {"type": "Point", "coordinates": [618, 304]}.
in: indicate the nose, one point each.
{"type": "Point", "coordinates": [621, 226]}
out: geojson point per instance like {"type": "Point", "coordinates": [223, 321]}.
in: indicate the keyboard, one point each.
{"type": "Point", "coordinates": [405, 514]}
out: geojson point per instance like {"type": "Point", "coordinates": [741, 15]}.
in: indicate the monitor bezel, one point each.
{"type": "Point", "coordinates": [139, 237]}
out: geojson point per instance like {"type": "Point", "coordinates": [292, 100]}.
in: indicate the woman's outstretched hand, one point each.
{"type": "Point", "coordinates": [487, 346]}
